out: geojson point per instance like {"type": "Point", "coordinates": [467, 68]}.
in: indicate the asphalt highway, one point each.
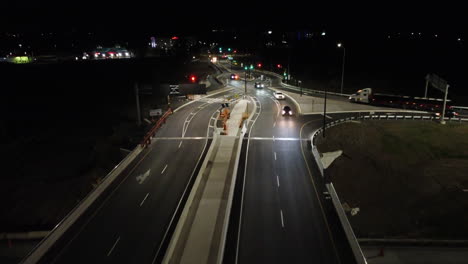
{"type": "Point", "coordinates": [131, 224]}
{"type": "Point", "coordinates": [284, 215]}
{"type": "Point", "coordinates": [282, 218]}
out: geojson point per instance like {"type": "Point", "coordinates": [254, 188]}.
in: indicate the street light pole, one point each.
{"type": "Point", "coordinates": [342, 68]}
{"type": "Point", "coordinates": [137, 104]}
{"type": "Point", "coordinates": [245, 82]}
{"type": "Point", "coordinates": [324, 111]}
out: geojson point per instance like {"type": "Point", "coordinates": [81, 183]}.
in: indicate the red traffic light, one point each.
{"type": "Point", "coordinates": [259, 65]}
{"type": "Point", "coordinates": [193, 78]}
{"type": "Point", "coordinates": [279, 66]}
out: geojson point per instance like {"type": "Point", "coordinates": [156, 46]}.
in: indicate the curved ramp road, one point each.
{"type": "Point", "coordinates": [130, 225]}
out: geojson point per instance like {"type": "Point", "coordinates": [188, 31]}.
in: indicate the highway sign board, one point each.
{"type": "Point", "coordinates": [174, 89]}
{"type": "Point", "coordinates": [437, 82]}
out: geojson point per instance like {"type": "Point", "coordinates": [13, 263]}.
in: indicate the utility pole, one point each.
{"type": "Point", "coordinates": [442, 121]}
{"type": "Point", "coordinates": [245, 84]}
{"type": "Point", "coordinates": [300, 86]}
{"type": "Point", "coordinates": [427, 84]}
{"type": "Point", "coordinates": [342, 70]}
{"type": "Point", "coordinates": [324, 111]}
{"type": "Point", "coordinates": [137, 105]}
{"type": "Point", "coordinates": [289, 73]}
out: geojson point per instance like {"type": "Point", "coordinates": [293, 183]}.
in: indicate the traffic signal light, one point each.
{"type": "Point", "coordinates": [193, 78]}
{"type": "Point", "coordinates": [259, 65]}
{"type": "Point", "coordinates": [246, 68]}
{"type": "Point", "coordinates": [251, 67]}
{"type": "Point", "coordinates": [279, 66]}
{"type": "Point", "coordinates": [229, 49]}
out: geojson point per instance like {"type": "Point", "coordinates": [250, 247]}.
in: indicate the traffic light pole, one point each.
{"type": "Point", "coordinates": [245, 82]}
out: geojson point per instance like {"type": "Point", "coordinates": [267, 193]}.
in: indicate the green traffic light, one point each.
{"type": "Point", "coordinates": [245, 68]}
{"type": "Point", "coordinates": [229, 49]}
{"type": "Point", "coordinates": [251, 66]}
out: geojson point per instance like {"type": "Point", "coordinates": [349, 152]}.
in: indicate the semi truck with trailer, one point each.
{"type": "Point", "coordinates": [435, 105]}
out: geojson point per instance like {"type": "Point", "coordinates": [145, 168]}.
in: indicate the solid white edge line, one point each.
{"type": "Point", "coordinates": [245, 174]}
{"type": "Point", "coordinates": [282, 220]}
{"type": "Point", "coordinates": [144, 199]}
{"type": "Point", "coordinates": [180, 200]}
{"type": "Point", "coordinates": [316, 192]}
{"type": "Point", "coordinates": [209, 95]}
{"type": "Point", "coordinates": [110, 251]}
{"type": "Point", "coordinates": [165, 167]}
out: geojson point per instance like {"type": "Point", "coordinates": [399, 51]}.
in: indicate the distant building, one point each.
{"type": "Point", "coordinates": [116, 52]}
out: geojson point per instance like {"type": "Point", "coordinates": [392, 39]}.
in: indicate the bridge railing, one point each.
{"type": "Point", "coordinates": [359, 256]}
{"type": "Point", "coordinates": [147, 139]}
{"type": "Point", "coordinates": [43, 251]}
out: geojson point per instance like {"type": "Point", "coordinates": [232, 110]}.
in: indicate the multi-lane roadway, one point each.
{"type": "Point", "coordinates": [131, 224]}
{"type": "Point", "coordinates": [283, 218]}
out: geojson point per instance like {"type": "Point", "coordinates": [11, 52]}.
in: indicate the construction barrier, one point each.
{"type": "Point", "coordinates": [147, 139]}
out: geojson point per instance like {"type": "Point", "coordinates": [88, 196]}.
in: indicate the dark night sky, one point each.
{"type": "Point", "coordinates": [193, 16]}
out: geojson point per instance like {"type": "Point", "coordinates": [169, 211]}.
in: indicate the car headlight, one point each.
{"type": "Point", "coordinates": [284, 112]}
{"type": "Point", "coordinates": [350, 98]}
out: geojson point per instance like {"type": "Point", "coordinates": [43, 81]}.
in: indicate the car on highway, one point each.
{"type": "Point", "coordinates": [259, 85]}
{"type": "Point", "coordinates": [234, 76]}
{"type": "Point", "coordinates": [278, 95]}
{"type": "Point", "coordinates": [287, 111]}
{"type": "Point", "coordinates": [448, 113]}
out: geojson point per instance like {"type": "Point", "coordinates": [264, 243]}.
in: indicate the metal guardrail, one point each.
{"type": "Point", "coordinates": [460, 107]}
{"type": "Point", "coordinates": [46, 244]}
{"type": "Point", "coordinates": [353, 242]}
{"type": "Point", "coordinates": [359, 256]}
{"type": "Point", "coordinates": [147, 139]}
{"type": "Point", "coordinates": [292, 87]}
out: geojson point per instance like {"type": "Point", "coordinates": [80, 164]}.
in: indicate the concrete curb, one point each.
{"type": "Point", "coordinates": [46, 244]}
{"type": "Point", "coordinates": [230, 198]}
{"type": "Point", "coordinates": [24, 235]}
{"type": "Point", "coordinates": [354, 242]}
{"type": "Point", "coordinates": [357, 252]}
{"type": "Point", "coordinates": [367, 111]}
{"type": "Point", "coordinates": [177, 250]}
{"type": "Point", "coordinates": [183, 217]}
{"type": "Point", "coordinates": [413, 242]}
{"type": "Point", "coordinates": [307, 90]}
{"type": "Point", "coordinates": [285, 85]}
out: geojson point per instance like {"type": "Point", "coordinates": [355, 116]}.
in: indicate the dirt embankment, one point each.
{"type": "Point", "coordinates": [409, 178]}
{"type": "Point", "coordinates": [62, 131]}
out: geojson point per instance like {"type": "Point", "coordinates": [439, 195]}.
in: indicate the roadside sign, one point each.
{"type": "Point", "coordinates": [155, 112]}
{"type": "Point", "coordinates": [437, 82]}
{"type": "Point", "coordinates": [174, 89]}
